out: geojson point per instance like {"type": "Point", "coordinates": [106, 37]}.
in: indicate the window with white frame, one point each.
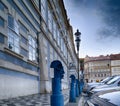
{"type": "Point", "coordinates": [58, 37]}
{"type": "Point", "coordinates": [57, 34]}
{"type": "Point", "coordinates": [13, 34]}
{"type": "Point", "coordinates": [12, 24]}
{"type": "Point", "coordinates": [50, 20]}
{"type": "Point", "coordinates": [32, 48]}
{"type": "Point", "coordinates": [54, 29]}
{"type": "Point", "coordinates": [62, 44]}
{"type": "Point", "coordinates": [43, 9]}
{"type": "Point", "coordinates": [65, 49]}
{"type": "Point", "coordinates": [66, 52]}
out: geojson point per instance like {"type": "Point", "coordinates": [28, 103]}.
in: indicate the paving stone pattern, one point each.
{"type": "Point", "coordinates": [31, 100]}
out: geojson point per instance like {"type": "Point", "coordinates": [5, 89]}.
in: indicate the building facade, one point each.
{"type": "Point", "coordinates": [96, 68]}
{"type": "Point", "coordinates": [33, 33]}
{"type": "Point", "coordinates": [115, 64]}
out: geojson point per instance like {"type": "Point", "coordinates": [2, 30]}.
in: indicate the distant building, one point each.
{"type": "Point", "coordinates": [81, 67]}
{"type": "Point", "coordinates": [96, 68]}
{"type": "Point", "coordinates": [115, 64]}
{"type": "Point", "coordinates": [33, 33]}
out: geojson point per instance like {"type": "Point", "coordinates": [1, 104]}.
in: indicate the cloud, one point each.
{"type": "Point", "coordinates": [110, 14]}
{"type": "Point", "coordinates": [107, 10]}
{"type": "Point", "coordinates": [99, 23]}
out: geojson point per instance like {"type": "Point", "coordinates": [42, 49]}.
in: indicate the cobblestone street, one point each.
{"type": "Point", "coordinates": [32, 100]}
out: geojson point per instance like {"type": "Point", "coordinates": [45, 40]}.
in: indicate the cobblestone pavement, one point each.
{"type": "Point", "coordinates": [79, 101]}
{"type": "Point", "coordinates": [32, 100]}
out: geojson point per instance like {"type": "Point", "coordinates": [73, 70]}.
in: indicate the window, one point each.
{"type": "Point", "coordinates": [98, 75]}
{"type": "Point", "coordinates": [115, 79]}
{"type": "Point", "coordinates": [13, 41]}
{"type": "Point", "coordinates": [63, 47]}
{"type": "Point", "coordinates": [62, 44]}
{"type": "Point", "coordinates": [26, 20]}
{"type": "Point", "coordinates": [43, 9]}
{"type": "Point", "coordinates": [12, 24]}
{"type": "Point", "coordinates": [119, 83]}
{"type": "Point", "coordinates": [32, 48]}
{"type": "Point", "coordinates": [24, 52]}
{"type": "Point", "coordinates": [22, 27]}
{"type": "Point", "coordinates": [95, 75]}
{"type": "Point", "coordinates": [50, 20]}
{"type": "Point", "coordinates": [59, 38]}
{"type": "Point", "coordinates": [1, 38]}
{"type": "Point", "coordinates": [58, 35]}
{"type": "Point", "coordinates": [24, 40]}
{"type": "Point", "coordinates": [66, 52]}
{"type": "Point", "coordinates": [13, 34]}
{"type": "Point", "coordinates": [1, 22]}
{"type": "Point", "coordinates": [2, 6]}
{"type": "Point", "coordinates": [101, 75]}
{"type": "Point", "coordinates": [53, 54]}
{"type": "Point", "coordinates": [54, 30]}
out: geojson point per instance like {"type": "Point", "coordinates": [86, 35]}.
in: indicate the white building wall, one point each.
{"type": "Point", "coordinates": [14, 84]}
{"type": "Point", "coordinates": [27, 18]}
{"type": "Point", "coordinates": [115, 67]}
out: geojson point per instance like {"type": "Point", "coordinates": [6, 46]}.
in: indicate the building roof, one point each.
{"type": "Point", "coordinates": [99, 58]}
{"type": "Point", "coordinates": [102, 57]}
{"type": "Point", "coordinates": [115, 56]}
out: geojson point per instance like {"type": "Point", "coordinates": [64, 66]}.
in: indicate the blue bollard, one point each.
{"type": "Point", "coordinates": [72, 97]}
{"type": "Point", "coordinates": [81, 85]}
{"type": "Point", "coordinates": [77, 88]}
{"type": "Point", "coordinates": [57, 98]}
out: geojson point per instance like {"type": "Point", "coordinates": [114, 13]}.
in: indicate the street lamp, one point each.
{"type": "Point", "coordinates": [77, 40]}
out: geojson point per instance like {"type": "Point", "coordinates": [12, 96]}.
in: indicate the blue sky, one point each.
{"type": "Point", "coordinates": [99, 23]}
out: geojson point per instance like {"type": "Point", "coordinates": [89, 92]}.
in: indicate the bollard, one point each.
{"type": "Point", "coordinates": [57, 98]}
{"type": "Point", "coordinates": [81, 85]}
{"type": "Point", "coordinates": [77, 88]}
{"type": "Point", "coordinates": [72, 97]}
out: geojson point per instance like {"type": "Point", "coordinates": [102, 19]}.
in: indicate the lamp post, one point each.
{"type": "Point", "coordinates": [77, 40]}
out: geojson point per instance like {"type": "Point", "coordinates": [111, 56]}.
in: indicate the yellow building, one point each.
{"type": "Point", "coordinates": [96, 68]}
{"type": "Point", "coordinates": [115, 64]}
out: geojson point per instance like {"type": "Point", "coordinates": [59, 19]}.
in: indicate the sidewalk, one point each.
{"type": "Point", "coordinates": [73, 104]}
{"type": "Point", "coordinates": [32, 100]}
{"type": "Point", "coordinates": [79, 101]}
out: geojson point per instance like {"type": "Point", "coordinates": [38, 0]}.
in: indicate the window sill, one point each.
{"type": "Point", "coordinates": [32, 62]}
{"type": "Point", "coordinates": [13, 53]}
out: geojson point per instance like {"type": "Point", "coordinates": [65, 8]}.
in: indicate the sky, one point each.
{"type": "Point", "coordinates": [99, 24]}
